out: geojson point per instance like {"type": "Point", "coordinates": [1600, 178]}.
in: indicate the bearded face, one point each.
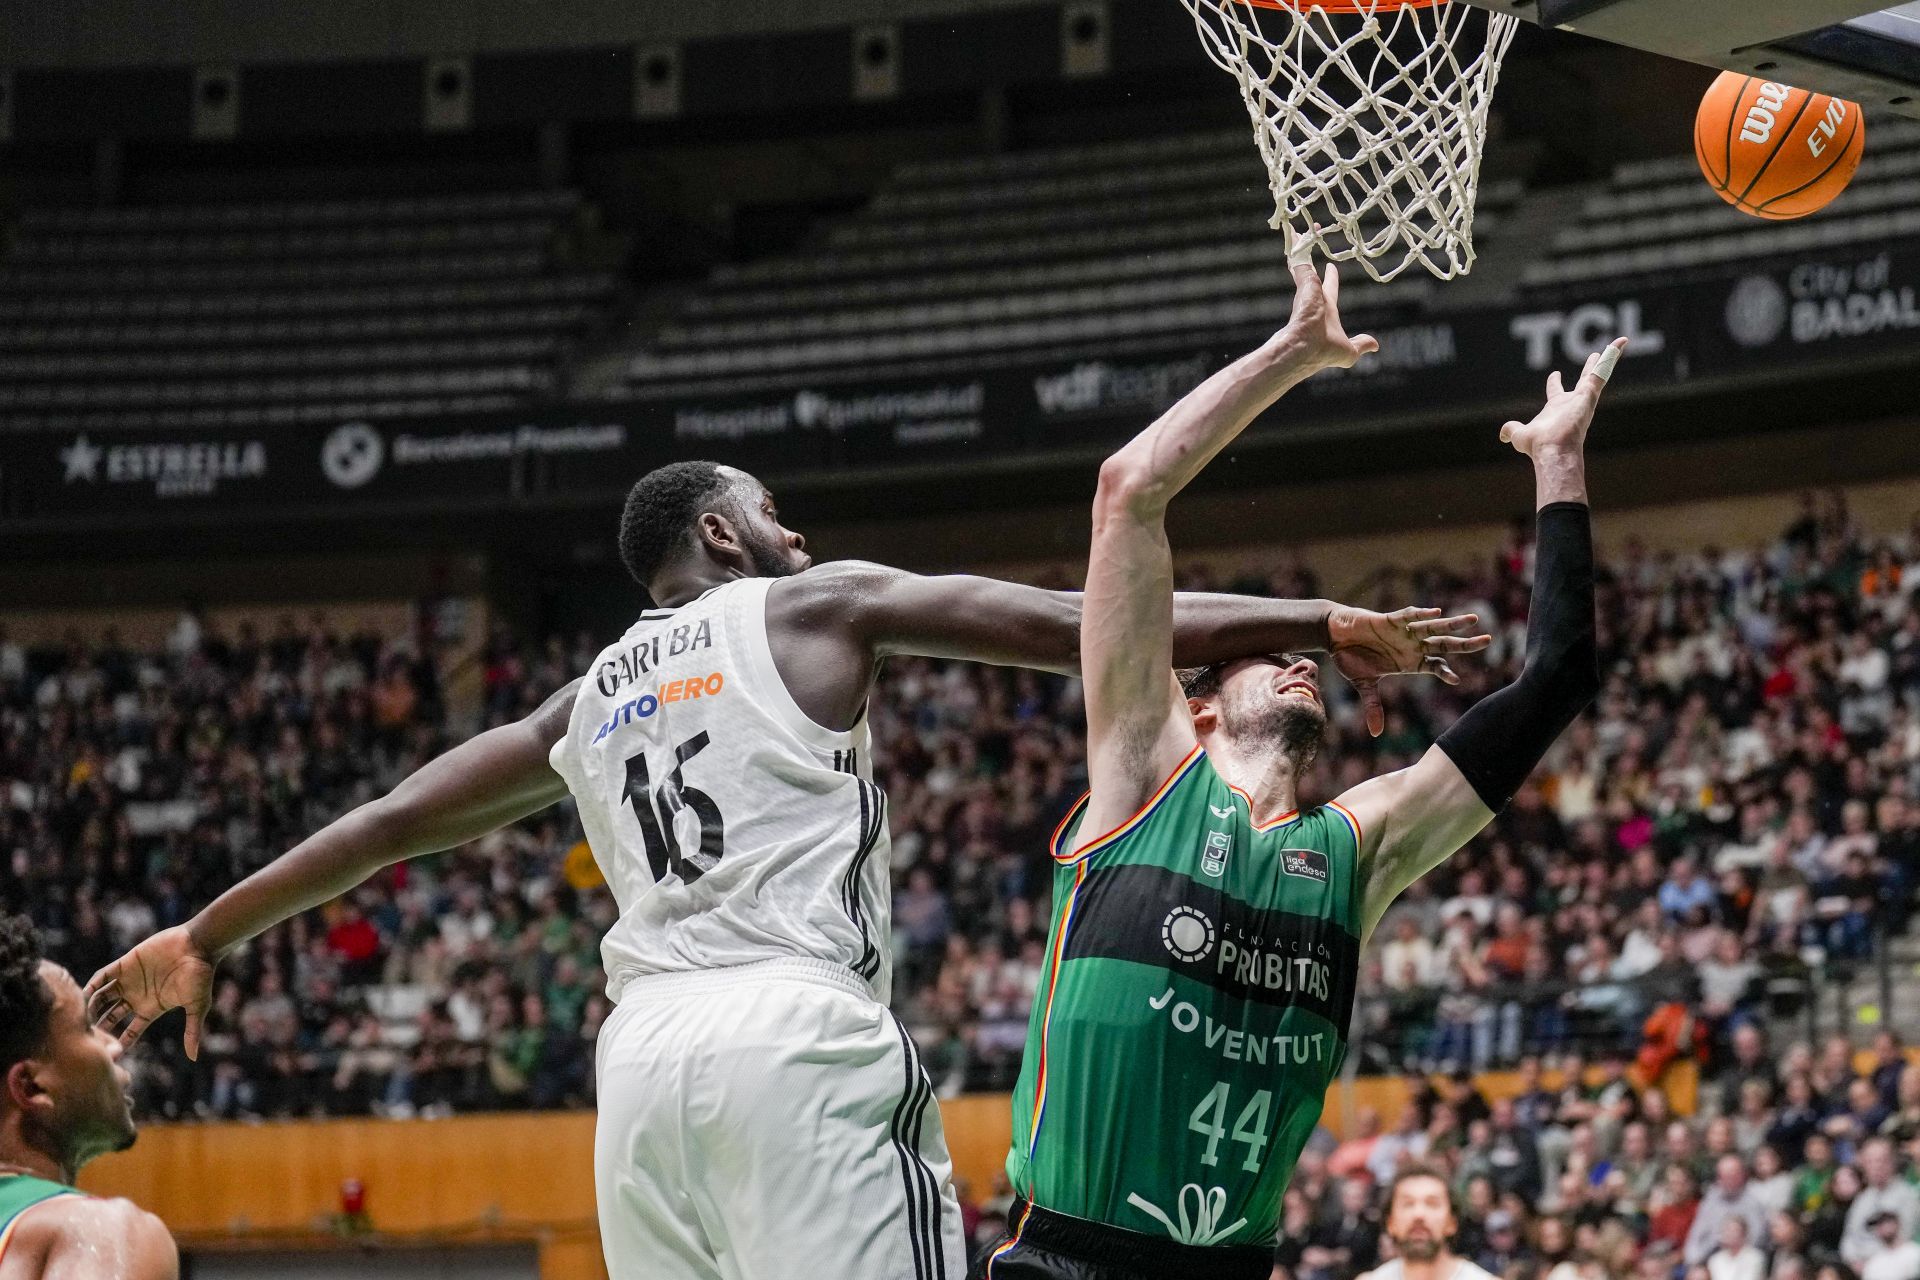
{"type": "Point", "coordinates": [1266, 700]}
{"type": "Point", "coordinates": [1420, 1217]}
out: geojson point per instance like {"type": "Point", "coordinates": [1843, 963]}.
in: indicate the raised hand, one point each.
{"type": "Point", "coordinates": [1316, 319]}
{"type": "Point", "coordinates": [1367, 647]}
{"type": "Point", "coordinates": [167, 971]}
{"type": "Point", "coordinates": [1563, 423]}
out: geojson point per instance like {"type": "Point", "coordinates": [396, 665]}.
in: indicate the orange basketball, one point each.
{"type": "Point", "coordinates": [1775, 151]}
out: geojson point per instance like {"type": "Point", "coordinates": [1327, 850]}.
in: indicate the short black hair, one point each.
{"type": "Point", "coordinates": [1202, 682]}
{"type": "Point", "coordinates": [661, 508]}
{"type": "Point", "coordinates": [26, 1005]}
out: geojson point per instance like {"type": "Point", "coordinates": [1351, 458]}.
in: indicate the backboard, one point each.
{"type": "Point", "coordinates": [1861, 51]}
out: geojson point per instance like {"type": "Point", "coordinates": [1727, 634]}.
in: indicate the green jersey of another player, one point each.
{"type": "Point", "coordinates": [1202, 974]}
{"type": "Point", "coordinates": [1206, 935]}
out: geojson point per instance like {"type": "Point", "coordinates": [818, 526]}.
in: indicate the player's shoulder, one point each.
{"type": "Point", "coordinates": [71, 1213]}
{"type": "Point", "coordinates": [1330, 822]}
{"type": "Point", "coordinates": [836, 583]}
{"type": "Point", "coordinates": [147, 1248]}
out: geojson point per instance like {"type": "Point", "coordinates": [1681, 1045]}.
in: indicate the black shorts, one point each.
{"type": "Point", "coordinates": [1052, 1246]}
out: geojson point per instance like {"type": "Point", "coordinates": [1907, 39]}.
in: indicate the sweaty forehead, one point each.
{"type": "Point", "coordinates": [745, 486]}
{"type": "Point", "coordinates": [66, 992]}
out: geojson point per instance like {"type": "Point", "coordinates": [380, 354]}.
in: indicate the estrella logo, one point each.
{"type": "Point", "coordinates": [647, 704]}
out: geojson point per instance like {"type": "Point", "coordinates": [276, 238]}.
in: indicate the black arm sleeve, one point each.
{"type": "Point", "coordinates": [1501, 738]}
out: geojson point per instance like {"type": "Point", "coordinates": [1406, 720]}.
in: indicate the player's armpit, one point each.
{"type": "Point", "coordinates": [106, 1240]}
{"type": "Point", "coordinates": [1410, 822]}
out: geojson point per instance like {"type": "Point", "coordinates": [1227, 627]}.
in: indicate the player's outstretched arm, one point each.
{"type": "Point", "coordinates": [893, 612]}
{"type": "Point", "coordinates": [480, 786]}
{"type": "Point", "coordinates": [1412, 820]}
{"type": "Point", "coordinates": [1138, 728]}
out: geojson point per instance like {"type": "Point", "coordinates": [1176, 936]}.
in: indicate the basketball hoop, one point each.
{"type": "Point", "coordinates": [1370, 115]}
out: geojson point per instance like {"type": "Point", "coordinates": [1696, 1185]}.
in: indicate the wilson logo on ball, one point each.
{"type": "Point", "coordinates": [1765, 113]}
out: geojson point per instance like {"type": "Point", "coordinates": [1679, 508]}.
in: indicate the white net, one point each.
{"type": "Point", "coordinates": [1371, 119]}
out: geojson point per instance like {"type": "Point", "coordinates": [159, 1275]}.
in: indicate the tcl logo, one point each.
{"type": "Point", "coordinates": [1553, 337]}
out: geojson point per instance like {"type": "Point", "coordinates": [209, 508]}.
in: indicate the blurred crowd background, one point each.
{"type": "Point", "coordinates": [1730, 832]}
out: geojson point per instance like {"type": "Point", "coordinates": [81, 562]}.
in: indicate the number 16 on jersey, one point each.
{"type": "Point", "coordinates": [657, 807]}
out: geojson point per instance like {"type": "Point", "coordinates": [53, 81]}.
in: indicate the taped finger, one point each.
{"type": "Point", "coordinates": [1607, 362]}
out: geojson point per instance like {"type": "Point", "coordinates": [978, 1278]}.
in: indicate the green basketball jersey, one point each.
{"type": "Point", "coordinates": [19, 1192]}
{"type": "Point", "coordinates": [1193, 1011]}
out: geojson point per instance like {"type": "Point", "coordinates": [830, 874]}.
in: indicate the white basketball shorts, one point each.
{"type": "Point", "coordinates": [769, 1122]}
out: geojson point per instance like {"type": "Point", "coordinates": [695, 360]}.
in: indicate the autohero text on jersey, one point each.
{"type": "Point", "coordinates": [707, 686]}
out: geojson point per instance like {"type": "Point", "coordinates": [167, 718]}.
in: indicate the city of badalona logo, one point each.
{"type": "Point", "coordinates": [1756, 311]}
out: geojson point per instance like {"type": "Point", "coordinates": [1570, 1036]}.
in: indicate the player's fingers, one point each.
{"type": "Point", "coordinates": [131, 1033]}
{"type": "Point", "coordinates": [1437, 666]}
{"type": "Point", "coordinates": [1455, 644]}
{"type": "Point", "coordinates": [1601, 364]}
{"type": "Point", "coordinates": [114, 1018]}
{"type": "Point", "coordinates": [108, 1015]}
{"type": "Point", "coordinates": [1555, 387]}
{"type": "Point", "coordinates": [1331, 283]}
{"type": "Point", "coordinates": [192, 1038]}
{"type": "Point", "coordinates": [1375, 712]}
{"type": "Point", "coordinates": [1433, 625]}
{"type": "Point", "coordinates": [104, 974]}
{"type": "Point", "coordinates": [1366, 344]}
{"type": "Point", "coordinates": [101, 997]}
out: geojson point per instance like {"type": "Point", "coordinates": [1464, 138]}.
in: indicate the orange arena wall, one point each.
{"type": "Point", "coordinates": [504, 1177]}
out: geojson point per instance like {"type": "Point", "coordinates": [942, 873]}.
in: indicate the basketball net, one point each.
{"type": "Point", "coordinates": [1370, 115]}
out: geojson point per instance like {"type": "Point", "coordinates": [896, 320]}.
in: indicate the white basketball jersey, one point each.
{"type": "Point", "coordinates": [730, 827]}
{"type": "Point", "coordinates": [1395, 1269]}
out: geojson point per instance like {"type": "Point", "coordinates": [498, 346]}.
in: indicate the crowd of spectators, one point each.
{"type": "Point", "coordinates": [1734, 815]}
{"type": "Point", "coordinates": [1800, 1164]}
{"type": "Point", "coordinates": [136, 785]}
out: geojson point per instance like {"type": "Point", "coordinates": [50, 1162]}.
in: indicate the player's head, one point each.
{"type": "Point", "coordinates": [1420, 1217]}
{"type": "Point", "coordinates": [65, 1091]}
{"type": "Point", "coordinates": [691, 513]}
{"type": "Point", "coordinates": [1272, 699]}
